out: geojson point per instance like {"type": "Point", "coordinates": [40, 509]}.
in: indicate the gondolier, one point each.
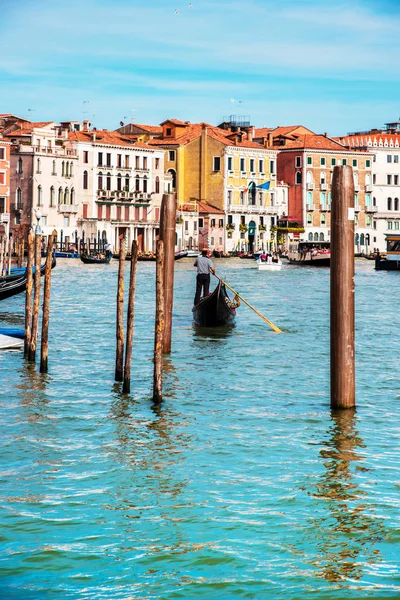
{"type": "Point", "coordinates": [204, 268]}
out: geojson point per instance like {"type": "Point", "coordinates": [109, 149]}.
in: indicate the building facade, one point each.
{"type": "Point", "coordinates": [5, 148]}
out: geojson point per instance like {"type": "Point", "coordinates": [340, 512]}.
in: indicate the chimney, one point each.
{"type": "Point", "coordinates": [85, 125]}
{"type": "Point", "coordinates": [250, 134]}
{"type": "Point", "coordinates": [325, 134]}
{"type": "Point", "coordinates": [270, 141]}
{"type": "Point", "coordinates": [93, 136]}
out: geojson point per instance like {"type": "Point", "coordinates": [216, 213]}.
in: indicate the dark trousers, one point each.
{"type": "Point", "coordinates": [202, 283]}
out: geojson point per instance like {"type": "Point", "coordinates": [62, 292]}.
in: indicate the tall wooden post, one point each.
{"type": "Point", "coordinates": [119, 358]}
{"type": "Point", "coordinates": [126, 388]}
{"type": "Point", "coordinates": [44, 348]}
{"type": "Point", "coordinates": [36, 299]}
{"type": "Point", "coordinates": [167, 235]}
{"type": "Point", "coordinates": [159, 328]}
{"type": "Point", "coordinates": [10, 251]}
{"type": "Point", "coordinates": [28, 297]}
{"type": "Point", "coordinates": [342, 289]}
{"type": "Point", "coordinates": [2, 248]}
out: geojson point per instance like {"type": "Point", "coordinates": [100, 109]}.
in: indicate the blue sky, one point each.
{"type": "Point", "coordinates": [330, 66]}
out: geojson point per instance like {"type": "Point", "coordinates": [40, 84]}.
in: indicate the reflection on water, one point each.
{"type": "Point", "coordinates": [346, 537]}
{"type": "Point", "coordinates": [31, 388]}
{"type": "Point", "coordinates": [215, 333]}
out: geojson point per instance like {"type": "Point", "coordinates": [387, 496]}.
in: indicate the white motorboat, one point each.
{"type": "Point", "coordinates": [268, 265]}
{"type": "Point", "coordinates": [7, 342]}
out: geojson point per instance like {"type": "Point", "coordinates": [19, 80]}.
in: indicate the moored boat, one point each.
{"type": "Point", "coordinates": [96, 260]}
{"type": "Point", "coordinates": [392, 260]}
{"type": "Point", "coordinates": [9, 288]}
{"type": "Point", "coordinates": [265, 265]}
{"type": "Point", "coordinates": [310, 254]}
{"type": "Point", "coordinates": [215, 310]}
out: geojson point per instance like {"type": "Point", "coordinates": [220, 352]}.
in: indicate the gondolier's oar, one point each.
{"type": "Point", "coordinates": [274, 327]}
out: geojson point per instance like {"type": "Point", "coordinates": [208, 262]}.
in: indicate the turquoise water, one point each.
{"type": "Point", "coordinates": [243, 484]}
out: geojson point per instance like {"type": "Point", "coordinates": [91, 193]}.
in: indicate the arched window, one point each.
{"type": "Point", "coordinates": [71, 167]}
{"type": "Point", "coordinates": [323, 198]}
{"type": "Point", "coordinates": [18, 198]}
{"type": "Point", "coordinates": [119, 182]}
{"type": "Point", "coordinates": [253, 191]}
{"type": "Point", "coordinates": [310, 177]}
{"type": "Point", "coordinates": [54, 172]}
{"type": "Point", "coordinates": [355, 177]}
{"type": "Point", "coordinates": [323, 177]}
{"type": "Point", "coordinates": [355, 219]}
{"type": "Point", "coordinates": [315, 237]}
{"type": "Point", "coordinates": [173, 173]}
{"type": "Point", "coordinates": [60, 195]}
{"type": "Point", "coordinates": [100, 181]}
{"type": "Point", "coordinates": [137, 183]}
{"type": "Point", "coordinates": [368, 221]}
{"type": "Point", "coordinates": [298, 177]}
{"type": "Point", "coordinates": [52, 196]}
{"type": "Point", "coordinates": [85, 180]}
{"type": "Point", "coordinates": [108, 181]}
{"type": "Point", "coordinates": [389, 204]}
{"type": "Point", "coordinates": [19, 167]}
{"type": "Point", "coordinates": [367, 179]}
{"type": "Point", "coordinates": [38, 165]}
{"type": "Point", "coordinates": [39, 195]}
{"type": "Point", "coordinates": [66, 196]}
{"type": "Point", "coordinates": [63, 168]}
{"type": "Point", "coordinates": [323, 220]}
{"type": "Point", "coordinates": [310, 237]}
{"type": "Point", "coordinates": [309, 197]}
{"type": "Point", "coordinates": [127, 183]}
{"type": "Point", "coordinates": [367, 239]}
{"type": "Point", "coordinates": [72, 196]}
{"type": "Point", "coordinates": [321, 237]}
{"type": "Point", "coordinates": [309, 219]}
{"type": "Point", "coordinates": [356, 239]}
{"type": "Point", "coordinates": [356, 200]}
{"type": "Point", "coordinates": [367, 199]}
{"type": "Point", "coordinates": [157, 185]}
{"type": "Point", "coordinates": [329, 198]}
{"type": "Point", "coordinates": [362, 239]}
{"type": "Point", "coordinates": [145, 184]}
{"type": "Point", "coordinates": [396, 204]}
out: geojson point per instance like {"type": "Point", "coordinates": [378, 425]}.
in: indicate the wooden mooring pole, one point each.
{"type": "Point", "coordinates": [126, 387]}
{"type": "Point", "coordinates": [342, 289]}
{"type": "Point", "coordinates": [44, 348]}
{"type": "Point", "coordinates": [36, 299]}
{"type": "Point", "coordinates": [119, 358]}
{"type": "Point", "coordinates": [159, 327]}
{"type": "Point", "coordinates": [28, 296]}
{"type": "Point", "coordinates": [167, 235]}
{"type": "Point", "coordinates": [2, 249]}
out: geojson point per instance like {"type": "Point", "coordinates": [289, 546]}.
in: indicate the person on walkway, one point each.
{"type": "Point", "coordinates": [204, 268]}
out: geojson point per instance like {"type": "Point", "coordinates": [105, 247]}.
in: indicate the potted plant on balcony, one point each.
{"type": "Point", "coordinates": [230, 227]}
{"type": "Point", "coordinates": [262, 227]}
{"type": "Point", "coordinates": [179, 221]}
{"type": "Point", "coordinates": [243, 228]}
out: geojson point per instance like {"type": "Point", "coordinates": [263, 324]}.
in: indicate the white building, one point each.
{"type": "Point", "coordinates": [385, 189]}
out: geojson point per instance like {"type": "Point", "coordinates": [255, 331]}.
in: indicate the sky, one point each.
{"type": "Point", "coordinates": [331, 66]}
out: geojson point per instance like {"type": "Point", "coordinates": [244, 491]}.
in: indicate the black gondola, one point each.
{"type": "Point", "coordinates": [92, 260]}
{"type": "Point", "coordinates": [216, 310]}
{"type": "Point", "coordinates": [18, 285]}
{"type": "Point", "coordinates": [21, 272]}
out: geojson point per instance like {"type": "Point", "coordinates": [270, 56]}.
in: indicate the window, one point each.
{"type": "Point", "coordinates": [323, 161]}
{"type": "Point", "coordinates": [171, 155]}
{"type": "Point", "coordinates": [355, 219]}
{"type": "Point", "coordinates": [108, 157]}
{"type": "Point", "coordinates": [66, 221]}
{"type": "Point", "coordinates": [18, 199]}
{"type": "Point", "coordinates": [119, 182]}
{"type": "Point", "coordinates": [374, 178]}
{"type": "Point", "coordinates": [368, 221]}
{"type": "Point", "coordinates": [309, 219]}
{"type": "Point", "coordinates": [298, 162]}
{"type": "Point", "coordinates": [85, 156]}
{"type": "Point", "coordinates": [272, 197]}
{"type": "Point", "coordinates": [389, 158]}
{"type": "Point", "coordinates": [72, 196]}
{"type": "Point", "coordinates": [127, 184]}
{"type": "Point", "coordinates": [390, 224]}
{"type": "Point", "coordinates": [241, 197]}
{"type": "Point", "coordinates": [2, 154]}
{"type": "Point", "coordinates": [99, 212]}
{"type": "Point", "coordinates": [396, 204]}
{"type": "Point", "coordinates": [396, 179]}
{"type": "Point", "coordinates": [38, 166]}
{"type": "Point", "coordinates": [220, 223]}
{"type": "Point", "coordinates": [309, 160]}
{"type": "Point", "coordinates": [272, 167]}
{"type": "Point", "coordinates": [62, 169]}
{"type": "Point", "coordinates": [389, 179]}
{"type": "Point", "coordinates": [39, 195]}
{"type": "Point", "coordinates": [108, 182]}
{"type": "Point", "coordinates": [19, 164]}
{"type": "Point", "coordinates": [2, 178]}
{"type": "Point", "coordinates": [100, 181]}
{"type": "Point", "coordinates": [261, 166]}
{"type": "Point", "coordinates": [71, 168]}
{"type": "Point", "coordinates": [43, 221]}
{"type": "Point", "coordinates": [396, 158]}
{"type": "Point", "coordinates": [396, 224]}
{"type": "Point", "coordinates": [126, 161]}
{"type": "Point", "coordinates": [137, 184]}
{"type": "Point", "coordinates": [145, 185]}
{"type": "Point", "coordinates": [212, 222]}
{"type": "Point", "coordinates": [323, 177]}
{"type": "Point", "coordinates": [355, 163]}
{"type": "Point", "coordinates": [229, 197]}
{"type": "Point", "coordinates": [100, 159]}
{"type": "Point", "coordinates": [66, 196]}
{"type": "Point", "coordinates": [329, 198]}
{"type": "Point", "coordinates": [201, 223]}
{"type": "Point", "coordinates": [389, 204]}
{"type": "Point", "coordinates": [216, 163]}
{"type": "Point", "coordinates": [310, 237]}
{"type": "Point", "coordinates": [168, 131]}
{"type": "Point", "coordinates": [53, 172]}
{"type": "Point", "coordinates": [157, 187]}
{"type": "Point", "coordinates": [333, 162]}
{"type": "Point", "coordinates": [298, 177]}
{"type": "Point", "coordinates": [52, 196]}
{"type": "Point", "coordinates": [323, 198]}
{"type": "Point", "coordinates": [60, 195]}
{"type": "Point", "coordinates": [344, 162]}
{"type": "Point", "coordinates": [242, 219]}
{"type": "Point", "coordinates": [309, 197]}
{"type": "Point", "coordinates": [374, 224]}
{"type": "Point", "coordinates": [356, 200]}
{"type": "Point", "coordinates": [367, 199]}
{"type": "Point", "coordinates": [157, 163]}
{"type": "Point", "coordinates": [252, 168]}
{"type": "Point", "coordinates": [145, 162]}
{"type": "Point", "coordinates": [230, 163]}
{"type": "Point", "coordinates": [368, 163]}
{"type": "Point", "coordinates": [186, 226]}
{"type": "Point", "coordinates": [242, 164]}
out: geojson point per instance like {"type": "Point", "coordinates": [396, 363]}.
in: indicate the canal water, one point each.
{"type": "Point", "coordinates": [243, 484]}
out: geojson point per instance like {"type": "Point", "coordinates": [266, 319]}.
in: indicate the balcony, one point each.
{"type": "Point", "coordinates": [325, 207]}
{"type": "Point", "coordinates": [68, 208]}
{"type": "Point", "coordinates": [371, 209]}
{"type": "Point", "coordinates": [368, 188]}
{"type": "Point", "coordinates": [357, 208]}
{"type": "Point", "coordinates": [16, 208]}
{"type": "Point", "coordinates": [310, 185]}
{"type": "Point", "coordinates": [310, 206]}
{"type": "Point", "coordinates": [324, 187]}
{"type": "Point", "coordinates": [55, 151]}
{"type": "Point", "coordinates": [356, 187]}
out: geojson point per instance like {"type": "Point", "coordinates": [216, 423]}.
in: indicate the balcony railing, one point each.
{"type": "Point", "coordinates": [67, 208]}
{"type": "Point", "coordinates": [310, 207]}
{"type": "Point", "coordinates": [55, 150]}
{"type": "Point", "coordinates": [371, 209]}
{"type": "Point", "coordinates": [356, 187]}
{"type": "Point", "coordinates": [325, 207]}
{"type": "Point", "coordinates": [324, 187]}
{"type": "Point", "coordinates": [368, 188]}
{"type": "Point", "coordinates": [310, 185]}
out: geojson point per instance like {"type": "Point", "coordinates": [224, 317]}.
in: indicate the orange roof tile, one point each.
{"type": "Point", "coordinates": [205, 207]}
{"type": "Point", "coordinates": [176, 122]}
{"type": "Point", "coordinates": [149, 128]}
{"type": "Point", "coordinates": [310, 142]}
{"type": "Point", "coordinates": [260, 132]}
{"type": "Point", "coordinates": [370, 140]}
{"type": "Point", "coordinates": [105, 137]}
{"type": "Point", "coordinates": [25, 127]}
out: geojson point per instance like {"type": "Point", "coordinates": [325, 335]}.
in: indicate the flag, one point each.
{"type": "Point", "coordinates": [264, 186]}
{"type": "Point", "coordinates": [246, 190]}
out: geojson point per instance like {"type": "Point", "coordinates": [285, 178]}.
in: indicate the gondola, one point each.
{"type": "Point", "coordinates": [17, 285]}
{"type": "Point", "coordinates": [18, 272]}
{"type": "Point", "coordinates": [216, 310]}
{"type": "Point", "coordinates": [91, 260]}
{"type": "Point", "coordinates": [181, 254]}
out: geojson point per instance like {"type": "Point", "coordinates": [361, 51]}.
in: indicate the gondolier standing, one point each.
{"type": "Point", "coordinates": [204, 268]}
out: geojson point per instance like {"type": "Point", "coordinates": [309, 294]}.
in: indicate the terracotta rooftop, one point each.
{"type": "Point", "coordinates": [201, 207]}
{"type": "Point", "coordinates": [149, 128]}
{"type": "Point", "coordinates": [260, 132]}
{"type": "Point", "coordinates": [311, 142]}
{"type": "Point", "coordinates": [103, 136]}
{"type": "Point", "coordinates": [370, 140]}
{"type": "Point", "coordinates": [25, 127]}
{"type": "Point", "coordinates": [176, 122]}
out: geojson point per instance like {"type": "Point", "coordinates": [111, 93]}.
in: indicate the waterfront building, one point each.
{"type": "Point", "coordinates": [5, 148]}
{"type": "Point", "coordinates": [384, 145]}
{"type": "Point", "coordinates": [120, 182]}
{"type": "Point", "coordinates": [305, 163]}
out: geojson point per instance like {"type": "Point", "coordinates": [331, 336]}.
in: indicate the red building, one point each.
{"type": "Point", "coordinates": [5, 148]}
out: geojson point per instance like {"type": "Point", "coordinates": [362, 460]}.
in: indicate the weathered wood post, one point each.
{"type": "Point", "coordinates": [2, 247]}
{"type": "Point", "coordinates": [342, 289]}
{"type": "Point", "coordinates": [167, 235]}
{"type": "Point", "coordinates": [119, 359]}
{"type": "Point", "coordinates": [28, 296]}
{"type": "Point", "coordinates": [10, 251]}
{"type": "Point", "coordinates": [126, 387]}
{"type": "Point", "coordinates": [44, 348]}
{"type": "Point", "coordinates": [159, 327]}
{"type": "Point", "coordinates": [36, 299]}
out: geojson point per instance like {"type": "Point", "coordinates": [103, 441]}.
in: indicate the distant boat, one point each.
{"type": "Point", "coordinates": [310, 254]}
{"type": "Point", "coordinates": [181, 254]}
{"type": "Point", "coordinates": [93, 260]}
{"type": "Point", "coordinates": [392, 260]}
{"type": "Point", "coordinates": [215, 310]}
{"type": "Point", "coordinates": [264, 265]}
{"type": "Point", "coordinates": [66, 254]}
